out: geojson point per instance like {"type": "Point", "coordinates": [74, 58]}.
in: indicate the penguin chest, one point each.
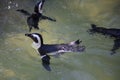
{"type": "Point", "coordinates": [36, 46]}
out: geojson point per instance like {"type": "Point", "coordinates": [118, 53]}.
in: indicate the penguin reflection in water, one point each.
{"type": "Point", "coordinates": [47, 50]}
{"type": "Point", "coordinates": [33, 19]}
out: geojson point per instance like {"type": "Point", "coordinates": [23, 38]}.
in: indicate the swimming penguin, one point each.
{"type": "Point", "coordinates": [34, 18]}
{"type": "Point", "coordinates": [47, 50]}
{"type": "Point", "coordinates": [112, 32]}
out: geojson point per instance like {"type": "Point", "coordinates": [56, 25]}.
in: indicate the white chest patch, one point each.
{"type": "Point", "coordinates": [35, 45]}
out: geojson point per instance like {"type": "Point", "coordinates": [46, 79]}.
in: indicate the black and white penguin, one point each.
{"type": "Point", "coordinates": [34, 18]}
{"type": "Point", "coordinates": [47, 50]}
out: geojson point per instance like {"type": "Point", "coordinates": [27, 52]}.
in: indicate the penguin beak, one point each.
{"type": "Point", "coordinates": [28, 35]}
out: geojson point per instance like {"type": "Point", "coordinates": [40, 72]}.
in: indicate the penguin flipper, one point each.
{"type": "Point", "coordinates": [46, 62]}
{"type": "Point", "coordinates": [38, 7]}
{"type": "Point", "coordinates": [23, 12]}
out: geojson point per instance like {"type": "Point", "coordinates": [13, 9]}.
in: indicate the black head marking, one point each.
{"type": "Point", "coordinates": [40, 36]}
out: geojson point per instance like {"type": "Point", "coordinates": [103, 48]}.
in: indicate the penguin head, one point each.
{"type": "Point", "coordinates": [37, 38]}
{"type": "Point", "coordinates": [93, 29]}
{"type": "Point", "coordinates": [93, 26]}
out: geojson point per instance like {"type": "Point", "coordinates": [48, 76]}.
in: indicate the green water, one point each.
{"type": "Point", "coordinates": [19, 61]}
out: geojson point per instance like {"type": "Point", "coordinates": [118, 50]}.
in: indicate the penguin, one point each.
{"type": "Point", "coordinates": [112, 32]}
{"type": "Point", "coordinates": [36, 16]}
{"type": "Point", "coordinates": [47, 50]}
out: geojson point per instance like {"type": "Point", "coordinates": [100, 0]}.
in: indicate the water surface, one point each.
{"type": "Point", "coordinates": [19, 61]}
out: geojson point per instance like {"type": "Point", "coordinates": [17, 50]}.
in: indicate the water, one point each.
{"type": "Point", "coordinates": [18, 61]}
